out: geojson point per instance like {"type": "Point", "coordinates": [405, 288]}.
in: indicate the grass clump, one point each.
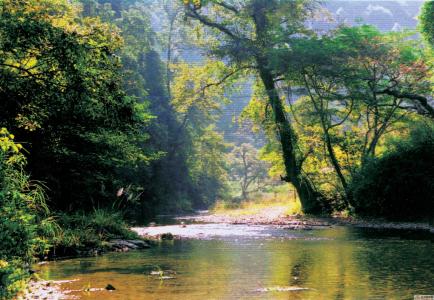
{"type": "Point", "coordinates": [25, 225]}
{"type": "Point", "coordinates": [82, 230]}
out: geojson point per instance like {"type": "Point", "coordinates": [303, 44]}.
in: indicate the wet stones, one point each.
{"type": "Point", "coordinates": [126, 245]}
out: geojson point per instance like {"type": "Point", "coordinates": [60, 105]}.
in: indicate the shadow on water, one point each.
{"type": "Point", "coordinates": [379, 233]}
{"type": "Point", "coordinates": [340, 263]}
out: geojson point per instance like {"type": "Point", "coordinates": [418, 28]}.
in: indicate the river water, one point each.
{"type": "Point", "coordinates": [259, 262]}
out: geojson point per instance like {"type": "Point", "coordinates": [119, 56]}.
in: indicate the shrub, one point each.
{"type": "Point", "coordinates": [22, 213]}
{"type": "Point", "coordinates": [399, 185]}
{"type": "Point", "coordinates": [12, 278]}
{"type": "Point", "coordinates": [89, 230]}
{"type": "Point", "coordinates": [427, 21]}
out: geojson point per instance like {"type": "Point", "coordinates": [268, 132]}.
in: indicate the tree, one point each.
{"type": "Point", "coordinates": [172, 34]}
{"type": "Point", "coordinates": [248, 31]}
{"type": "Point", "coordinates": [427, 21]}
{"type": "Point", "coordinates": [358, 85]}
{"type": "Point", "coordinates": [246, 167]}
{"type": "Point", "coordinates": [197, 98]}
{"type": "Point", "coordinates": [63, 98]}
{"type": "Point", "coordinates": [207, 166]}
{"type": "Point", "coordinates": [167, 182]}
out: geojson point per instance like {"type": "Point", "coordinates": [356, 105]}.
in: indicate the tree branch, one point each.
{"type": "Point", "coordinates": [206, 21]}
{"type": "Point", "coordinates": [350, 110]}
{"type": "Point", "coordinates": [227, 6]}
{"type": "Point", "coordinates": [224, 78]}
{"type": "Point", "coordinates": [423, 101]}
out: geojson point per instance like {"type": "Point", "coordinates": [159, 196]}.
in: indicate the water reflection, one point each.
{"type": "Point", "coordinates": [345, 263]}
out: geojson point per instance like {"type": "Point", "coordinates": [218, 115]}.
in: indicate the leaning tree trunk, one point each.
{"type": "Point", "coordinates": [309, 198]}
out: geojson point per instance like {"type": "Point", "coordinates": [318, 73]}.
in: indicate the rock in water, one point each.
{"type": "Point", "coordinates": [109, 287]}
{"type": "Point", "coordinates": [139, 243]}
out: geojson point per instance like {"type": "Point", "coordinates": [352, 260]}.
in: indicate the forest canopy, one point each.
{"type": "Point", "coordinates": [117, 109]}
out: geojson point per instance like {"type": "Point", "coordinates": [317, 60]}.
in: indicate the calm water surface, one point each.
{"type": "Point", "coordinates": [334, 263]}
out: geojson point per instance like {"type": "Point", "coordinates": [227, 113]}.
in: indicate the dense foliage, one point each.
{"type": "Point", "coordinates": [90, 101]}
{"type": "Point", "coordinates": [399, 184]}
{"type": "Point", "coordinates": [116, 103]}
{"type": "Point", "coordinates": [355, 87]}
{"type": "Point", "coordinates": [91, 106]}
{"type": "Point", "coordinates": [427, 21]}
{"type": "Point", "coordinates": [175, 181]}
{"type": "Point", "coordinates": [24, 224]}
{"type": "Point", "coordinates": [27, 230]}
{"type": "Point", "coordinates": [63, 99]}
{"type": "Point", "coordinates": [361, 85]}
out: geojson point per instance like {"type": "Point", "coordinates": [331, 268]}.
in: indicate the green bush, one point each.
{"type": "Point", "coordinates": [12, 278]}
{"type": "Point", "coordinates": [27, 230]}
{"type": "Point", "coordinates": [24, 230]}
{"type": "Point", "coordinates": [399, 185]}
{"type": "Point", "coordinates": [89, 230]}
{"type": "Point", "coordinates": [427, 21]}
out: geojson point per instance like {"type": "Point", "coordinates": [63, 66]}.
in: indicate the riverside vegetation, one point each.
{"type": "Point", "coordinates": [106, 121]}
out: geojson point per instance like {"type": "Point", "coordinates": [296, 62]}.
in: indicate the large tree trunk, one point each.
{"type": "Point", "coordinates": [309, 198]}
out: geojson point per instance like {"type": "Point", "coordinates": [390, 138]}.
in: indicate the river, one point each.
{"type": "Point", "coordinates": [258, 262]}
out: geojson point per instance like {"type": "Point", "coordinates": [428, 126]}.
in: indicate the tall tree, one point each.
{"type": "Point", "coordinates": [173, 182]}
{"type": "Point", "coordinates": [197, 93]}
{"type": "Point", "coordinates": [246, 167]}
{"type": "Point", "coordinates": [248, 31]}
{"type": "Point", "coordinates": [358, 83]}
